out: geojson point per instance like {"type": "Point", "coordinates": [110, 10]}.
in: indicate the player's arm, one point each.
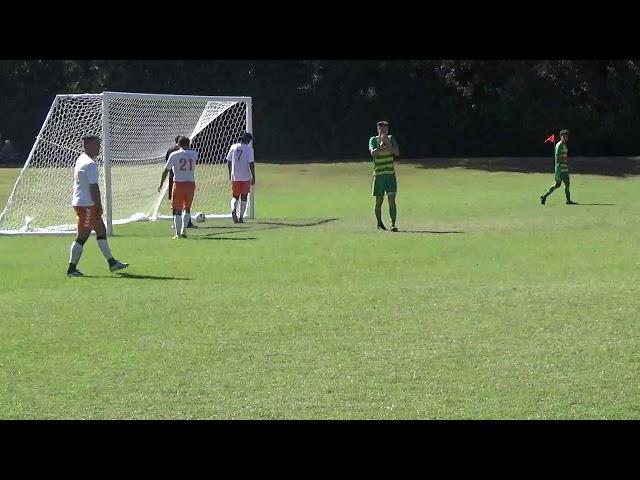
{"type": "Point", "coordinates": [92, 176]}
{"type": "Point", "coordinates": [393, 147]}
{"type": "Point", "coordinates": [372, 147]}
{"type": "Point", "coordinates": [229, 159]}
{"type": "Point", "coordinates": [95, 195]}
{"type": "Point", "coordinates": [165, 172]}
{"type": "Point", "coordinates": [251, 166]}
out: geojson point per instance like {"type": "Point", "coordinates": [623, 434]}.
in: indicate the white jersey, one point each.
{"type": "Point", "coordinates": [240, 155]}
{"type": "Point", "coordinates": [183, 163]}
{"type": "Point", "coordinates": [85, 173]}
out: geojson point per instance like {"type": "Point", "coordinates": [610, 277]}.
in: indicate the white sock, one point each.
{"type": "Point", "coordinates": [104, 246]}
{"type": "Point", "coordinates": [186, 217]}
{"type": "Point", "coordinates": [243, 207]}
{"type": "Point", "coordinates": [75, 253]}
{"type": "Point", "coordinates": [233, 203]}
{"type": "Point", "coordinates": [177, 222]}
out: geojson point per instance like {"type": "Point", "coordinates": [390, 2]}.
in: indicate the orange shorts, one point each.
{"type": "Point", "coordinates": [240, 188]}
{"type": "Point", "coordinates": [182, 195]}
{"type": "Point", "coordinates": [87, 217]}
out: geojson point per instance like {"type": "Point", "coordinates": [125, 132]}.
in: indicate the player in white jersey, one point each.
{"type": "Point", "coordinates": [87, 204]}
{"type": "Point", "coordinates": [183, 165]}
{"type": "Point", "coordinates": [242, 174]}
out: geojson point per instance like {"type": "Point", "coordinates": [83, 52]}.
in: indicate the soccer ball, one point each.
{"type": "Point", "coordinates": [199, 217]}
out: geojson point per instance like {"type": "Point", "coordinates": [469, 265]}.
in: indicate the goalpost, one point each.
{"type": "Point", "coordinates": [136, 130]}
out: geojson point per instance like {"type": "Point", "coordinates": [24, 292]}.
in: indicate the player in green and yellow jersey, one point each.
{"type": "Point", "coordinates": [562, 169]}
{"type": "Point", "coordinates": [384, 149]}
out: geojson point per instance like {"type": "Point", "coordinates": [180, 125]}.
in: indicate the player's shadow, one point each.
{"type": "Point", "coordinates": [207, 237]}
{"type": "Point", "coordinates": [207, 227]}
{"type": "Point", "coordinates": [288, 224]}
{"type": "Point", "coordinates": [599, 204]}
{"type": "Point", "coordinates": [608, 166]}
{"type": "Point", "coordinates": [431, 231]}
{"type": "Point", "coordinates": [134, 276]}
{"type": "Point", "coordinates": [256, 227]}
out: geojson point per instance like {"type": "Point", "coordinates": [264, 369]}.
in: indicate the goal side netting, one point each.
{"type": "Point", "coordinates": [136, 131]}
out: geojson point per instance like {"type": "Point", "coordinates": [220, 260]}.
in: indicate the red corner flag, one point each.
{"type": "Point", "coordinates": [551, 139]}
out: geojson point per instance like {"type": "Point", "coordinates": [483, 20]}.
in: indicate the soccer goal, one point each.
{"type": "Point", "coordinates": [136, 131]}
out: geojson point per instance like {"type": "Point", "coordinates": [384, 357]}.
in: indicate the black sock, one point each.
{"type": "Point", "coordinates": [379, 214]}
{"type": "Point", "coordinates": [72, 268]}
{"type": "Point", "coordinates": [112, 261]}
{"type": "Point", "coordinates": [392, 213]}
{"type": "Point", "coordinates": [567, 194]}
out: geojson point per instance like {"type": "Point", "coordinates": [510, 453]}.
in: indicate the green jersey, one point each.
{"type": "Point", "coordinates": [562, 152]}
{"type": "Point", "coordinates": [382, 164]}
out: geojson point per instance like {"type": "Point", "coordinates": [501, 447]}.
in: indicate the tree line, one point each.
{"type": "Point", "coordinates": [327, 109]}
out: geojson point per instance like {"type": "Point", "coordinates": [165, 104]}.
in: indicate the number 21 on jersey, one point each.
{"type": "Point", "coordinates": [183, 164]}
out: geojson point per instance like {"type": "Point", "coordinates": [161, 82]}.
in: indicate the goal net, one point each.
{"type": "Point", "coordinates": [136, 131]}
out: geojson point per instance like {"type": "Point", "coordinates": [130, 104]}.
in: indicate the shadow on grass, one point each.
{"type": "Point", "coordinates": [256, 226]}
{"type": "Point", "coordinates": [134, 276]}
{"type": "Point", "coordinates": [430, 231]}
{"type": "Point", "coordinates": [600, 204]}
{"type": "Point", "coordinates": [289, 224]}
{"type": "Point", "coordinates": [249, 226]}
{"type": "Point", "coordinates": [208, 227]}
{"type": "Point", "coordinates": [607, 166]}
{"type": "Point", "coordinates": [222, 238]}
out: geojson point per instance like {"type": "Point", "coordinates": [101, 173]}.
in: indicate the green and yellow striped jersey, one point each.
{"type": "Point", "coordinates": [562, 152]}
{"type": "Point", "coordinates": [382, 164]}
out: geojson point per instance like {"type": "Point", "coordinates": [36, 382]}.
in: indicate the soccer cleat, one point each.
{"type": "Point", "coordinates": [183, 235]}
{"type": "Point", "coordinates": [191, 225]}
{"type": "Point", "coordinates": [175, 237]}
{"type": "Point", "coordinates": [234, 216]}
{"type": "Point", "coordinates": [240, 220]}
{"type": "Point", "coordinates": [118, 266]}
{"type": "Point", "coordinates": [543, 199]}
{"type": "Point", "coordinates": [569, 202]}
{"type": "Point", "coordinates": [381, 227]}
{"type": "Point", "coordinates": [75, 273]}
{"type": "Point", "coordinates": [394, 228]}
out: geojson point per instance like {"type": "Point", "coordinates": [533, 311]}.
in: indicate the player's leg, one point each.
{"type": "Point", "coordinates": [543, 197]}
{"type": "Point", "coordinates": [377, 190]}
{"type": "Point", "coordinates": [187, 201]}
{"type": "Point", "coordinates": [378, 211]}
{"type": "Point", "coordinates": [234, 204]}
{"type": "Point", "coordinates": [177, 221]}
{"type": "Point", "coordinates": [392, 190]}
{"type": "Point", "coordinates": [235, 195]}
{"type": "Point", "coordinates": [190, 223]}
{"type": "Point", "coordinates": [176, 205]}
{"type": "Point", "coordinates": [243, 207]}
{"type": "Point", "coordinates": [391, 197]}
{"type": "Point", "coordinates": [83, 232]}
{"type": "Point", "coordinates": [103, 244]}
{"type": "Point", "coordinates": [186, 218]}
{"type": "Point", "coordinates": [567, 193]}
{"type": "Point", "coordinates": [244, 192]}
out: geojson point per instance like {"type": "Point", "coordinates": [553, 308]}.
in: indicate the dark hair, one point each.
{"type": "Point", "coordinates": [178, 138]}
{"type": "Point", "coordinates": [246, 137]}
{"type": "Point", "coordinates": [90, 137]}
{"type": "Point", "coordinates": [184, 142]}
{"type": "Point", "coordinates": [382, 122]}
{"type": "Point", "coordinates": [564, 132]}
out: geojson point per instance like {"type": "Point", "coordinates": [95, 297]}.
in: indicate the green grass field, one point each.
{"type": "Point", "coordinates": [487, 306]}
